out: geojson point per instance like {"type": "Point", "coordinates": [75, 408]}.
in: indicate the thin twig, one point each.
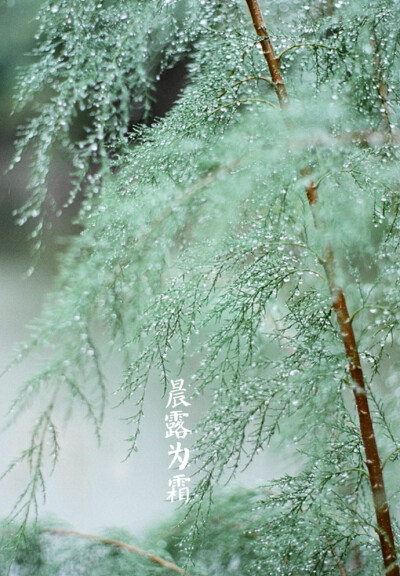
{"type": "Point", "coordinates": [338, 560]}
{"type": "Point", "coordinates": [313, 45]}
{"type": "Point", "coordinates": [268, 80]}
{"type": "Point", "coordinates": [238, 103]}
{"type": "Point", "coordinates": [117, 544]}
{"type": "Point", "coordinates": [248, 79]}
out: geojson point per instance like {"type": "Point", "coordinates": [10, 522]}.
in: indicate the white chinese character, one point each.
{"type": "Point", "coordinates": [172, 494]}
{"type": "Point", "coordinates": [176, 452]}
{"type": "Point", "coordinates": [174, 423]}
{"type": "Point", "coordinates": [178, 488]}
{"type": "Point", "coordinates": [176, 396]}
{"type": "Point", "coordinates": [177, 384]}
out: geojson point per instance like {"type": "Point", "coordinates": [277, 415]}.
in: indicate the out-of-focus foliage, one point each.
{"type": "Point", "coordinates": [44, 553]}
{"type": "Point", "coordinates": [198, 242]}
{"type": "Point", "coordinates": [247, 531]}
{"type": "Point", "coordinates": [17, 27]}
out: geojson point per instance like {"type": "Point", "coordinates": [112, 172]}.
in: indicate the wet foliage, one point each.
{"type": "Point", "coordinates": [198, 245]}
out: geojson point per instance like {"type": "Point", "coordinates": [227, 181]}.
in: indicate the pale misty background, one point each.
{"type": "Point", "coordinates": [92, 487]}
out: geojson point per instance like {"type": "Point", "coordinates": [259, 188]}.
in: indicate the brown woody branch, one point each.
{"type": "Point", "coordinates": [117, 544]}
{"type": "Point", "coordinates": [268, 51]}
{"type": "Point", "coordinates": [373, 463]}
{"type": "Point", "coordinates": [338, 560]}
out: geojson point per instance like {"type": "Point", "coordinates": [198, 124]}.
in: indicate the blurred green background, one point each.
{"type": "Point", "coordinates": [18, 26]}
{"type": "Point", "coordinates": [17, 29]}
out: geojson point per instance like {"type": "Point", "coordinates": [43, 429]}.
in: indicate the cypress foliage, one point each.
{"type": "Point", "coordinates": [253, 230]}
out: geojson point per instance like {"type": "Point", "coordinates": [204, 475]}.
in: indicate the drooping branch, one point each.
{"type": "Point", "coordinates": [117, 544]}
{"type": "Point", "coordinates": [268, 51]}
{"type": "Point", "coordinates": [373, 463]}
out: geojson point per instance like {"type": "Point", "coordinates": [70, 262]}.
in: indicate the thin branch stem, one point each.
{"type": "Point", "coordinates": [365, 307]}
{"type": "Point", "coordinates": [117, 544]}
{"type": "Point", "coordinates": [338, 561]}
{"type": "Point", "coordinates": [249, 78]}
{"type": "Point", "coordinates": [373, 463]}
{"type": "Point", "coordinates": [268, 52]}
{"type": "Point", "coordinates": [387, 459]}
{"type": "Point", "coordinates": [313, 45]}
{"type": "Point", "coordinates": [238, 103]}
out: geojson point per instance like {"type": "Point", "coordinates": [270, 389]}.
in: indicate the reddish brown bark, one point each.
{"type": "Point", "coordinates": [373, 463]}
{"type": "Point", "coordinates": [268, 51]}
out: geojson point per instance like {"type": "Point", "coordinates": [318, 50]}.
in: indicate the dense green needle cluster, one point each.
{"type": "Point", "coordinates": [199, 246]}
